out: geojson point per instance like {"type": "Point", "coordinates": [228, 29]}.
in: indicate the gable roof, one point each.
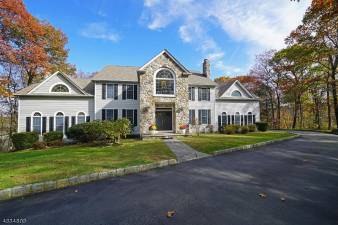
{"type": "Point", "coordinates": [77, 83]}
{"type": "Point", "coordinates": [165, 51]}
{"type": "Point", "coordinates": [224, 87]}
{"type": "Point", "coordinates": [117, 73]}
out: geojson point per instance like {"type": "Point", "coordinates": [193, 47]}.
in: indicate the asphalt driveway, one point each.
{"type": "Point", "coordinates": [219, 190]}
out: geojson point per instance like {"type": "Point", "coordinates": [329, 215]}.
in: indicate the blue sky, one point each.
{"type": "Point", "coordinates": [130, 32]}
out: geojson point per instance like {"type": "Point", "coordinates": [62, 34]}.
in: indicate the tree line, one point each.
{"type": "Point", "coordinates": [298, 84]}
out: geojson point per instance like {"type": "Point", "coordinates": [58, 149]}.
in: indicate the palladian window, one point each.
{"type": "Point", "coordinates": [165, 82]}
{"type": "Point", "coordinates": [60, 88]}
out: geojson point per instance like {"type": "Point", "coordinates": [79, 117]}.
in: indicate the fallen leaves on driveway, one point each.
{"type": "Point", "coordinates": [171, 213]}
{"type": "Point", "coordinates": [262, 195]}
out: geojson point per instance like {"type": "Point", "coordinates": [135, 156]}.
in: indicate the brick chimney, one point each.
{"type": "Point", "coordinates": [206, 68]}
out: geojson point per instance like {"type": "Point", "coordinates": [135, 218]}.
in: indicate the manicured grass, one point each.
{"type": "Point", "coordinates": [209, 143]}
{"type": "Point", "coordinates": [31, 166]}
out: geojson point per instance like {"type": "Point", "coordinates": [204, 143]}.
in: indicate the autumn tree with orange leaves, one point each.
{"type": "Point", "coordinates": [29, 50]}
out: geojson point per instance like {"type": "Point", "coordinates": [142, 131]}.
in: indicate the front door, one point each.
{"type": "Point", "coordinates": [164, 118]}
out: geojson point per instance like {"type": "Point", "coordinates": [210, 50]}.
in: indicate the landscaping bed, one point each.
{"type": "Point", "coordinates": [209, 143]}
{"type": "Point", "coordinates": [31, 166]}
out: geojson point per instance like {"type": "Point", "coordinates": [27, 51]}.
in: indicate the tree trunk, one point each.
{"type": "Point", "coordinates": [329, 124]}
{"type": "Point", "coordinates": [272, 110]}
{"type": "Point", "coordinates": [278, 111]}
{"type": "Point", "coordinates": [334, 95]}
{"type": "Point", "coordinates": [295, 114]}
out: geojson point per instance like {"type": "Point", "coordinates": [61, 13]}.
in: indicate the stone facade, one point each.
{"type": "Point", "coordinates": [149, 101]}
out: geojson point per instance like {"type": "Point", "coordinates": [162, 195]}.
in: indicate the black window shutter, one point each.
{"type": "Point", "coordinates": [193, 116]}
{"type": "Point", "coordinates": [51, 123]}
{"type": "Point", "coordinates": [199, 116]}
{"type": "Point", "coordinates": [208, 94]}
{"type": "Point", "coordinates": [124, 91]}
{"type": "Point", "coordinates": [44, 124]}
{"type": "Point", "coordinates": [199, 94]}
{"type": "Point", "coordinates": [193, 94]}
{"type": "Point", "coordinates": [135, 117]}
{"type": "Point", "coordinates": [219, 123]}
{"type": "Point", "coordinates": [28, 124]}
{"type": "Point", "coordinates": [87, 118]}
{"type": "Point", "coordinates": [115, 114]}
{"type": "Point", "coordinates": [229, 119]}
{"type": "Point", "coordinates": [242, 120]}
{"type": "Point", "coordinates": [245, 119]}
{"type": "Point", "coordinates": [115, 91]}
{"type": "Point", "coordinates": [209, 116]}
{"type": "Point", "coordinates": [123, 113]}
{"type": "Point", "coordinates": [232, 119]}
{"type": "Point", "coordinates": [66, 123]}
{"type": "Point", "coordinates": [135, 92]}
{"type": "Point", "coordinates": [103, 117]}
{"type": "Point", "coordinates": [73, 120]}
{"type": "Point", "coordinates": [104, 89]}
{"type": "Point", "coordinates": [254, 119]}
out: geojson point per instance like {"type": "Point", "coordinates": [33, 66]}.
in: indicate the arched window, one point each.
{"type": "Point", "coordinates": [250, 118]}
{"type": "Point", "coordinates": [81, 117]}
{"type": "Point", "coordinates": [224, 118]}
{"type": "Point", "coordinates": [60, 88]}
{"type": "Point", "coordinates": [59, 122]}
{"type": "Point", "coordinates": [37, 122]}
{"type": "Point", "coordinates": [165, 82]}
{"type": "Point", "coordinates": [237, 119]}
{"type": "Point", "coordinates": [236, 94]}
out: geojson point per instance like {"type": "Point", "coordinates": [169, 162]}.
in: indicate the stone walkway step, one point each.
{"type": "Point", "coordinates": [183, 151]}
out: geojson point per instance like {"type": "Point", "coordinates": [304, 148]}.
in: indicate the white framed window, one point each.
{"type": "Point", "coordinates": [224, 118]}
{"type": "Point", "coordinates": [59, 122]}
{"type": "Point", "coordinates": [60, 88]}
{"type": "Point", "coordinates": [204, 116]}
{"type": "Point", "coordinates": [203, 94]}
{"type": "Point", "coordinates": [237, 118]}
{"type": "Point", "coordinates": [81, 117]}
{"type": "Point", "coordinates": [165, 82]}
{"type": "Point", "coordinates": [192, 116]}
{"type": "Point", "coordinates": [250, 121]}
{"type": "Point", "coordinates": [37, 122]}
{"type": "Point", "coordinates": [191, 93]}
{"type": "Point", "coordinates": [236, 94]}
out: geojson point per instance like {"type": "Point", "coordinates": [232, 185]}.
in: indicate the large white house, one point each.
{"type": "Point", "coordinates": [161, 92]}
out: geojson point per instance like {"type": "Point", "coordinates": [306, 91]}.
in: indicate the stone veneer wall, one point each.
{"type": "Point", "coordinates": [148, 100]}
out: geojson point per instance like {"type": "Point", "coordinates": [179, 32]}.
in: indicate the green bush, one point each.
{"type": "Point", "coordinates": [24, 140]}
{"type": "Point", "coordinates": [229, 129]}
{"type": "Point", "coordinates": [252, 128]}
{"type": "Point", "coordinates": [97, 130]}
{"type": "Point", "coordinates": [39, 145]}
{"type": "Point", "coordinates": [262, 126]}
{"type": "Point", "coordinates": [237, 129]}
{"type": "Point", "coordinates": [53, 136]}
{"type": "Point", "coordinates": [244, 129]}
{"type": "Point", "coordinates": [334, 131]}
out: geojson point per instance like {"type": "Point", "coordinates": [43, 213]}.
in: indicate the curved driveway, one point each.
{"type": "Point", "coordinates": [218, 190]}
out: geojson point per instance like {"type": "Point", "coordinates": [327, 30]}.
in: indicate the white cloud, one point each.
{"type": "Point", "coordinates": [99, 31]}
{"type": "Point", "coordinates": [260, 24]}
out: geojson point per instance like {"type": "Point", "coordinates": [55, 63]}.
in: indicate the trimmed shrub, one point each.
{"type": "Point", "coordinates": [238, 129]}
{"type": "Point", "coordinates": [53, 136]}
{"type": "Point", "coordinates": [334, 131]}
{"type": "Point", "coordinates": [229, 129]}
{"type": "Point", "coordinates": [244, 129]}
{"type": "Point", "coordinates": [24, 140]}
{"type": "Point", "coordinates": [97, 130]}
{"type": "Point", "coordinates": [252, 128]}
{"type": "Point", "coordinates": [39, 145]}
{"type": "Point", "coordinates": [262, 126]}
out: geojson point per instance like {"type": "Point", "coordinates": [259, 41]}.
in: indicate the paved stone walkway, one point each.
{"type": "Point", "coordinates": [182, 151]}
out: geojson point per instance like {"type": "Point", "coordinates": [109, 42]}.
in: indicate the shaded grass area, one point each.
{"type": "Point", "coordinates": [31, 166]}
{"type": "Point", "coordinates": [209, 143]}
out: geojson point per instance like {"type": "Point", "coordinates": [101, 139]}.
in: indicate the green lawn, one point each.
{"type": "Point", "coordinates": [209, 143]}
{"type": "Point", "coordinates": [30, 166]}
